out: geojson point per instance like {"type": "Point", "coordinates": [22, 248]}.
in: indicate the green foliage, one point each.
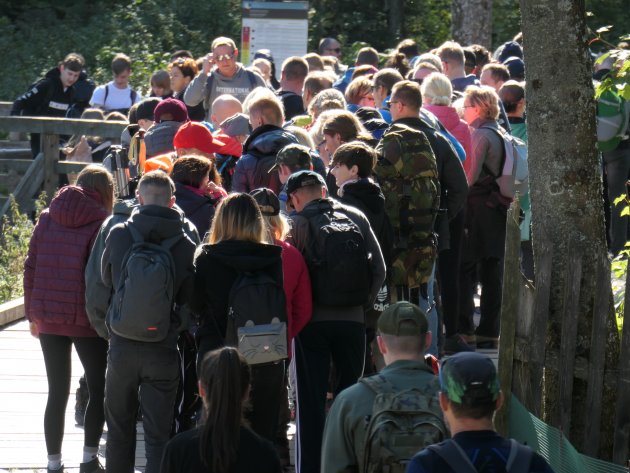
{"type": "Point", "coordinates": [17, 229]}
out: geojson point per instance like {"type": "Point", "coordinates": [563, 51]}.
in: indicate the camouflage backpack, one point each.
{"type": "Point", "coordinates": [407, 173]}
{"type": "Point", "coordinates": [402, 423]}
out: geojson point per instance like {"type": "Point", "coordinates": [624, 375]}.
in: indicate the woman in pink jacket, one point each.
{"type": "Point", "coordinates": [54, 299]}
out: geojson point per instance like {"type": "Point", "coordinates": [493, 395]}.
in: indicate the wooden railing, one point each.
{"type": "Point", "coordinates": [45, 169]}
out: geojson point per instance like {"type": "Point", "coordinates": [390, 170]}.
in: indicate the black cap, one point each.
{"type": "Point", "coordinates": [267, 201]}
{"type": "Point", "coordinates": [146, 108]}
{"type": "Point", "coordinates": [304, 179]}
{"type": "Point", "coordinates": [469, 377]}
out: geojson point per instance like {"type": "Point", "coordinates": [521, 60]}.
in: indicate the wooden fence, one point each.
{"type": "Point", "coordinates": [524, 357]}
{"type": "Point", "coordinates": [43, 171]}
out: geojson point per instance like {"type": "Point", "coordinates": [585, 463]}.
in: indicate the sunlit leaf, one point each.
{"type": "Point", "coordinates": [625, 211]}
{"type": "Point", "coordinates": [619, 199]}
{"type": "Point", "coordinates": [604, 29]}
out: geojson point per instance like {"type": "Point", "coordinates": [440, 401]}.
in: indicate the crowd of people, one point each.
{"type": "Point", "coordinates": [257, 247]}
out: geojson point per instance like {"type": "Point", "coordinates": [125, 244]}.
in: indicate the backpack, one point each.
{"type": "Point", "coordinates": [514, 169]}
{"type": "Point", "coordinates": [518, 460]}
{"type": "Point", "coordinates": [125, 111]}
{"type": "Point", "coordinates": [401, 423]}
{"type": "Point", "coordinates": [257, 318]}
{"type": "Point", "coordinates": [143, 300]}
{"type": "Point", "coordinates": [613, 114]}
{"type": "Point", "coordinates": [337, 258]}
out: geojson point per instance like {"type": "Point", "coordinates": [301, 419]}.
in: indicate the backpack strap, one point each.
{"type": "Point", "coordinates": [252, 78]}
{"type": "Point", "coordinates": [378, 384]}
{"type": "Point", "coordinates": [519, 459]}
{"type": "Point", "coordinates": [454, 456]}
{"type": "Point", "coordinates": [503, 158]}
{"type": "Point", "coordinates": [106, 94]}
{"type": "Point", "coordinates": [133, 95]}
{"type": "Point", "coordinates": [167, 243]}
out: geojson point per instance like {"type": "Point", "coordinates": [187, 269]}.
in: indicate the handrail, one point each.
{"type": "Point", "coordinates": [62, 126]}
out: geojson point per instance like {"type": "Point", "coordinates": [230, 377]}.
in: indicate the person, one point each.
{"type": "Point", "coordinates": [221, 74]}
{"type": "Point", "coordinates": [266, 116]}
{"type": "Point", "coordinates": [315, 62]}
{"type": "Point", "coordinates": [54, 300]}
{"type": "Point", "coordinates": [469, 396]}
{"type": "Point", "coordinates": [315, 82]}
{"type": "Point", "coordinates": [161, 84]}
{"type": "Point", "coordinates": [117, 94]}
{"type": "Point", "coordinates": [181, 72]}
{"type": "Point", "coordinates": [238, 242]}
{"type": "Point", "coordinates": [403, 336]}
{"type": "Point", "coordinates": [87, 149]}
{"type": "Point", "coordinates": [484, 238]}
{"type": "Point", "coordinates": [383, 81]}
{"type": "Point", "coordinates": [169, 115]}
{"type": "Point", "coordinates": [263, 67]}
{"type": "Point", "coordinates": [224, 107]}
{"type": "Point", "coordinates": [329, 47]}
{"type": "Point", "coordinates": [337, 327]}
{"type": "Point", "coordinates": [366, 57]}
{"type": "Point", "coordinates": [289, 160]}
{"type": "Point", "coordinates": [482, 57]}
{"type": "Point", "coordinates": [267, 56]}
{"type": "Point", "coordinates": [452, 56]}
{"type": "Point", "coordinates": [52, 95]}
{"type": "Point", "coordinates": [494, 75]}
{"type": "Point", "coordinates": [293, 74]}
{"type": "Point", "coordinates": [145, 372]}
{"type": "Point", "coordinates": [223, 443]}
{"type": "Point", "coordinates": [359, 94]}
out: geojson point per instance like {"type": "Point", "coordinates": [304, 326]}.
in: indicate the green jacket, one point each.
{"type": "Point", "coordinates": [344, 433]}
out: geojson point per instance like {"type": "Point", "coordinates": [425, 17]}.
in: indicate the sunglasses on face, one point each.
{"type": "Point", "coordinates": [224, 57]}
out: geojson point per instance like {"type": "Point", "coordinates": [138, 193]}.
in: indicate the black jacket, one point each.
{"type": "Point", "coordinates": [293, 104]}
{"type": "Point", "coordinates": [199, 209]}
{"type": "Point", "coordinates": [259, 155]}
{"type": "Point", "coordinates": [46, 97]}
{"type": "Point", "coordinates": [453, 184]}
{"type": "Point", "coordinates": [216, 268]}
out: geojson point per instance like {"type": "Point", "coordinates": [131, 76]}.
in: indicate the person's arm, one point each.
{"type": "Point", "coordinates": [239, 178]}
{"type": "Point", "coordinates": [97, 294]}
{"type": "Point", "coordinates": [377, 262]}
{"type": "Point", "coordinates": [339, 452]}
{"type": "Point", "coordinates": [98, 97]}
{"type": "Point", "coordinates": [33, 99]}
{"type": "Point", "coordinates": [302, 300]}
{"type": "Point", "coordinates": [198, 300]}
{"type": "Point", "coordinates": [29, 267]}
{"type": "Point", "coordinates": [453, 180]}
{"type": "Point", "coordinates": [480, 147]}
{"type": "Point", "coordinates": [196, 90]}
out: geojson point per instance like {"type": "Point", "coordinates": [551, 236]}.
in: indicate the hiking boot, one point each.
{"type": "Point", "coordinates": [93, 466]}
{"type": "Point", "coordinates": [455, 344]}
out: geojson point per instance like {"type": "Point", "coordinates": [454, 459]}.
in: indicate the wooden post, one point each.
{"type": "Point", "coordinates": [509, 311]}
{"type": "Point", "coordinates": [622, 412]}
{"type": "Point", "coordinates": [561, 415]}
{"type": "Point", "coordinates": [594, 392]}
{"type": "Point", "coordinates": [50, 148]}
{"type": "Point", "coordinates": [537, 346]}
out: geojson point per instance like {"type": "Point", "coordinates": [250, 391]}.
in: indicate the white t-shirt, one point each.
{"type": "Point", "coordinates": [117, 99]}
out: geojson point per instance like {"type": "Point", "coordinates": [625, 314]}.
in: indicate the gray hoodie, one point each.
{"type": "Point", "coordinates": [207, 87]}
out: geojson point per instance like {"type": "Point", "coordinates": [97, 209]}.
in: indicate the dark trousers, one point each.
{"type": "Point", "coordinates": [57, 350]}
{"type": "Point", "coordinates": [153, 372]}
{"type": "Point", "coordinates": [316, 344]}
{"type": "Point", "coordinates": [449, 262]}
{"type": "Point", "coordinates": [489, 274]}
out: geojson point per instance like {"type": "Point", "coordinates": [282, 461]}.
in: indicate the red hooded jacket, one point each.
{"type": "Point", "coordinates": [54, 282]}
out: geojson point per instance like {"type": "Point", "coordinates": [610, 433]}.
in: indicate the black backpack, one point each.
{"type": "Point", "coordinates": [257, 318]}
{"type": "Point", "coordinates": [518, 461]}
{"type": "Point", "coordinates": [337, 258]}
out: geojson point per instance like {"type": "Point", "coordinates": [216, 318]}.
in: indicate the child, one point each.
{"type": "Point", "coordinates": [161, 85]}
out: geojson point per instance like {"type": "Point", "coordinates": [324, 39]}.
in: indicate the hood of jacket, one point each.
{"type": "Point", "coordinates": [268, 139]}
{"type": "Point", "coordinates": [157, 223]}
{"type": "Point", "coordinates": [75, 207]}
{"type": "Point", "coordinates": [54, 73]}
{"type": "Point", "coordinates": [447, 115]}
{"type": "Point", "coordinates": [125, 207]}
{"type": "Point", "coordinates": [244, 255]}
{"type": "Point", "coordinates": [367, 192]}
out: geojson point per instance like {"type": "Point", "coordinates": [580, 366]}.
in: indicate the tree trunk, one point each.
{"type": "Point", "coordinates": [566, 192]}
{"type": "Point", "coordinates": [471, 22]}
{"type": "Point", "coordinates": [394, 20]}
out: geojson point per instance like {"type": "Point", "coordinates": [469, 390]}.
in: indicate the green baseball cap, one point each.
{"type": "Point", "coordinates": [391, 320]}
{"type": "Point", "coordinates": [469, 377]}
{"type": "Point", "coordinates": [293, 155]}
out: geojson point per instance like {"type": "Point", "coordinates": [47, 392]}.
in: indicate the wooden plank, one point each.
{"type": "Point", "coordinates": [539, 329]}
{"type": "Point", "coordinates": [66, 167]}
{"type": "Point", "coordinates": [594, 390]}
{"type": "Point", "coordinates": [18, 165]}
{"type": "Point", "coordinates": [17, 153]}
{"type": "Point", "coordinates": [11, 311]}
{"type": "Point", "coordinates": [31, 181]}
{"type": "Point", "coordinates": [5, 108]}
{"type": "Point", "coordinates": [509, 313]}
{"type": "Point", "coordinates": [561, 416]}
{"type": "Point", "coordinates": [50, 149]}
{"type": "Point", "coordinates": [62, 126]}
{"type": "Point", "coordinates": [622, 409]}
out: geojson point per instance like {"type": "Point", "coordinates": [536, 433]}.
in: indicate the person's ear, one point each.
{"type": "Point", "coordinates": [500, 399]}
{"type": "Point", "coordinates": [171, 202]}
{"type": "Point", "coordinates": [443, 401]}
{"type": "Point", "coordinates": [139, 198]}
{"type": "Point", "coordinates": [235, 52]}
{"type": "Point", "coordinates": [324, 192]}
{"type": "Point", "coordinates": [202, 391]}
{"type": "Point", "coordinates": [354, 170]}
{"type": "Point", "coordinates": [381, 345]}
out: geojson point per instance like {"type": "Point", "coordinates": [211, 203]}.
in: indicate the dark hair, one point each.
{"type": "Point", "coordinates": [408, 92]}
{"type": "Point", "coordinates": [363, 71]}
{"type": "Point", "coordinates": [225, 377]}
{"type": "Point", "coordinates": [482, 55]}
{"type": "Point", "coordinates": [355, 153]}
{"type": "Point", "coordinates": [314, 61]}
{"type": "Point", "coordinates": [472, 409]}
{"type": "Point", "coordinates": [408, 47]}
{"type": "Point", "coordinates": [498, 72]}
{"type": "Point", "coordinates": [120, 64]}
{"type": "Point", "coordinates": [316, 82]}
{"type": "Point", "coordinates": [295, 68]}
{"type": "Point", "coordinates": [73, 62]}
{"type": "Point", "coordinates": [367, 56]}
{"type": "Point", "coordinates": [191, 170]}
{"type": "Point", "coordinates": [387, 78]}
{"type": "Point", "coordinates": [346, 124]}
{"type": "Point", "coordinates": [511, 93]}
{"type": "Point", "coordinates": [187, 65]}
{"type": "Point", "coordinates": [181, 53]}
{"type": "Point", "coordinates": [399, 62]}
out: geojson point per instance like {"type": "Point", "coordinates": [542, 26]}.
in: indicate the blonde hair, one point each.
{"type": "Point", "coordinates": [302, 136]}
{"type": "Point", "coordinates": [486, 99]}
{"type": "Point", "coordinates": [278, 226]}
{"type": "Point", "coordinates": [437, 89]}
{"type": "Point", "coordinates": [328, 99]}
{"type": "Point", "coordinates": [238, 218]}
{"type": "Point", "coordinates": [95, 177]}
{"type": "Point", "coordinates": [264, 102]}
{"type": "Point", "coordinates": [358, 88]}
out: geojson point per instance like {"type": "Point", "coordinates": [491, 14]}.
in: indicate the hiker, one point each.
{"type": "Point", "coordinates": [293, 75]}
{"type": "Point", "coordinates": [144, 321]}
{"type": "Point", "coordinates": [116, 95]}
{"type": "Point", "coordinates": [346, 276]}
{"type": "Point", "coordinates": [364, 422]}
{"type": "Point", "coordinates": [54, 300]}
{"type": "Point", "coordinates": [452, 56]}
{"type": "Point", "coordinates": [383, 81]}
{"type": "Point", "coordinates": [181, 72]}
{"type": "Point", "coordinates": [239, 245]}
{"type": "Point", "coordinates": [469, 396]}
{"type": "Point", "coordinates": [223, 443]}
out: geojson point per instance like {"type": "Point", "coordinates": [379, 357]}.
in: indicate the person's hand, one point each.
{"type": "Point", "coordinates": [34, 330]}
{"type": "Point", "coordinates": [208, 62]}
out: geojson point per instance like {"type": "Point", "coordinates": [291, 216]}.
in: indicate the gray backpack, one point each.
{"type": "Point", "coordinates": [142, 305]}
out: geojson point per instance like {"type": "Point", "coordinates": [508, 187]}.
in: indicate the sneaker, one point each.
{"type": "Point", "coordinates": [57, 470]}
{"type": "Point", "coordinates": [455, 344]}
{"type": "Point", "coordinates": [93, 466]}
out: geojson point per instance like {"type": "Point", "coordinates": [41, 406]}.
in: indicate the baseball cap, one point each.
{"type": "Point", "coordinates": [470, 377]}
{"type": "Point", "coordinates": [196, 135]}
{"type": "Point", "coordinates": [236, 125]}
{"type": "Point", "coordinates": [303, 179]}
{"type": "Point", "coordinates": [146, 108]}
{"type": "Point", "coordinates": [516, 66]}
{"type": "Point", "coordinates": [293, 154]}
{"type": "Point", "coordinates": [267, 201]}
{"type": "Point", "coordinates": [509, 49]}
{"type": "Point", "coordinates": [176, 108]}
{"type": "Point", "coordinates": [391, 320]}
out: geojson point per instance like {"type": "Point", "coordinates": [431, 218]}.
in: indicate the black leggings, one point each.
{"type": "Point", "coordinates": [92, 352]}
